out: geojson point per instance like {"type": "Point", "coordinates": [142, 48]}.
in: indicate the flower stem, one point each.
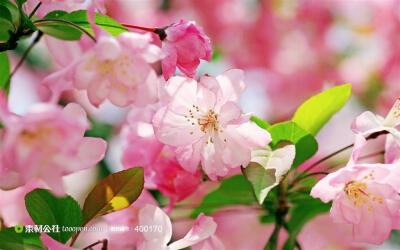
{"type": "Point", "coordinates": [19, 64]}
{"type": "Point", "coordinates": [138, 27]}
{"type": "Point", "coordinates": [34, 10]}
{"type": "Point", "coordinates": [371, 136]}
{"type": "Point", "coordinates": [103, 242]}
{"type": "Point", "coordinates": [280, 214]}
{"type": "Point", "coordinates": [328, 157]}
{"type": "Point", "coordinates": [50, 20]}
{"type": "Point", "coordinates": [159, 31]}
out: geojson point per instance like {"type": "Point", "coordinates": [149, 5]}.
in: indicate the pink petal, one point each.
{"type": "Point", "coordinates": [232, 85]}
{"type": "Point", "coordinates": [91, 151]}
{"type": "Point", "coordinates": [359, 143]}
{"type": "Point", "coordinates": [63, 52]}
{"type": "Point", "coordinates": [173, 129]}
{"type": "Point", "coordinates": [229, 111]}
{"type": "Point", "coordinates": [392, 150]}
{"type": "Point", "coordinates": [212, 243]}
{"type": "Point", "coordinates": [98, 91]}
{"type": "Point", "coordinates": [325, 189]}
{"type": "Point", "coordinates": [203, 228]}
{"type": "Point", "coordinates": [52, 176]}
{"type": "Point", "coordinates": [147, 92]}
{"type": "Point", "coordinates": [169, 62]}
{"type": "Point", "coordinates": [153, 216]}
{"type": "Point", "coordinates": [365, 122]}
{"type": "Point", "coordinates": [52, 244]}
{"type": "Point", "coordinates": [211, 159]}
{"type": "Point", "coordinates": [373, 228]}
{"type": "Point", "coordinates": [189, 156]}
{"type": "Point", "coordinates": [75, 112]}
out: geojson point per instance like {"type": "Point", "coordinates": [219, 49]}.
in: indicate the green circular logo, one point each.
{"type": "Point", "coordinates": [19, 228]}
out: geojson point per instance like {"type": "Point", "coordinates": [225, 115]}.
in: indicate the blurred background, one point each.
{"type": "Point", "coordinates": [289, 49]}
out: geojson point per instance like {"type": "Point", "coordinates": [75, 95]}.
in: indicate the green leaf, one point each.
{"type": "Point", "coordinates": [300, 213]}
{"type": "Point", "coordinates": [55, 14]}
{"type": "Point", "coordinates": [235, 190]}
{"type": "Point", "coordinates": [267, 168]}
{"type": "Point", "coordinates": [5, 13]}
{"type": "Point", "coordinates": [47, 209]}
{"type": "Point", "coordinates": [68, 32]}
{"type": "Point", "coordinates": [14, 12]}
{"type": "Point", "coordinates": [305, 143]}
{"type": "Point", "coordinates": [99, 129]}
{"type": "Point", "coordinates": [20, 2]}
{"type": "Point", "coordinates": [9, 19]}
{"type": "Point", "coordinates": [60, 30]}
{"type": "Point", "coordinates": [260, 122]}
{"type": "Point", "coordinates": [316, 111]}
{"type": "Point", "coordinates": [5, 27]}
{"type": "Point", "coordinates": [80, 18]}
{"type": "Point", "coordinates": [10, 239]}
{"type": "Point", "coordinates": [4, 69]}
{"type": "Point", "coordinates": [115, 192]}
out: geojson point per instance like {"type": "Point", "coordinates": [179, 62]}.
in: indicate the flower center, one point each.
{"type": "Point", "coordinates": [358, 194]}
{"type": "Point", "coordinates": [118, 71]}
{"type": "Point", "coordinates": [208, 122]}
{"type": "Point", "coordinates": [393, 117]}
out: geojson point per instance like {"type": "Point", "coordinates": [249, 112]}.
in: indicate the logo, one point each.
{"type": "Point", "coordinates": [19, 228]}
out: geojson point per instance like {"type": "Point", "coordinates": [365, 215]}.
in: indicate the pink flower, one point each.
{"type": "Point", "coordinates": [365, 195]}
{"type": "Point", "coordinates": [12, 205]}
{"type": "Point", "coordinates": [152, 216]}
{"type": "Point", "coordinates": [46, 143]}
{"type": "Point", "coordinates": [205, 124]}
{"type": "Point", "coordinates": [117, 69]}
{"type": "Point", "coordinates": [161, 168]}
{"type": "Point", "coordinates": [125, 218]}
{"type": "Point", "coordinates": [184, 46]}
{"type": "Point", "coordinates": [171, 179]}
{"type": "Point", "coordinates": [52, 244]}
{"type": "Point", "coordinates": [368, 123]}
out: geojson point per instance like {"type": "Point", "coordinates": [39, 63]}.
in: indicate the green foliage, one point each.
{"type": "Point", "coordinates": [115, 192]}
{"type": "Point", "coordinates": [267, 168]}
{"type": "Point", "coordinates": [261, 180]}
{"type": "Point", "coordinates": [63, 31]}
{"type": "Point", "coordinates": [4, 70]}
{"type": "Point", "coordinates": [303, 210]}
{"type": "Point", "coordinates": [9, 19]}
{"type": "Point", "coordinates": [53, 24]}
{"type": "Point", "coordinates": [99, 129]}
{"type": "Point", "coordinates": [47, 209]}
{"type": "Point", "coordinates": [20, 2]}
{"type": "Point", "coordinates": [235, 190]}
{"type": "Point", "coordinates": [305, 143]}
{"type": "Point", "coordinates": [260, 122]}
{"type": "Point", "coordinates": [316, 111]}
{"type": "Point", "coordinates": [11, 240]}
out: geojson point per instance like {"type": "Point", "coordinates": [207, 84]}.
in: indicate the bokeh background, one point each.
{"type": "Point", "coordinates": [290, 50]}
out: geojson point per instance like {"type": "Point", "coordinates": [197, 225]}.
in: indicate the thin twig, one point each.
{"type": "Point", "coordinates": [50, 20]}
{"type": "Point", "coordinates": [138, 27]}
{"type": "Point", "coordinates": [361, 158]}
{"type": "Point", "coordinates": [306, 176]}
{"type": "Point", "coordinates": [104, 247]}
{"type": "Point", "coordinates": [34, 10]}
{"type": "Point", "coordinates": [328, 157]}
{"type": "Point", "coordinates": [21, 61]}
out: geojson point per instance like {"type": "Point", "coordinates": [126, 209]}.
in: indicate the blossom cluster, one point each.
{"type": "Point", "coordinates": [183, 123]}
{"type": "Point", "coordinates": [366, 195]}
{"type": "Point", "coordinates": [178, 130]}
